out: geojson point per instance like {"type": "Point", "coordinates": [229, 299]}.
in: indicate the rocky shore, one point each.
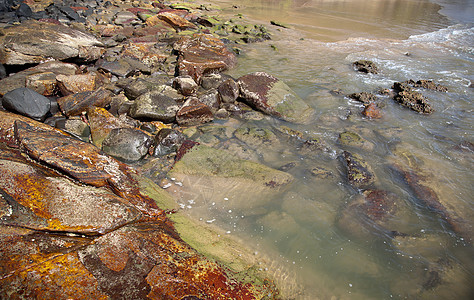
{"type": "Point", "coordinates": [108, 104]}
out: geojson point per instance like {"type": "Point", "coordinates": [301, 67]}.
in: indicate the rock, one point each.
{"type": "Point", "coordinates": [123, 67]}
{"type": "Point", "coordinates": [127, 144]}
{"type": "Point", "coordinates": [211, 81]}
{"type": "Point", "coordinates": [72, 84]}
{"type": "Point", "coordinates": [427, 181]}
{"type": "Point", "coordinates": [147, 53]}
{"type": "Point", "coordinates": [168, 141]}
{"type": "Point", "coordinates": [75, 104]}
{"type": "Point", "coordinates": [202, 54]}
{"type": "Point", "coordinates": [3, 72]}
{"type": "Point", "coordinates": [228, 91]}
{"type": "Point", "coordinates": [141, 86]}
{"type": "Point", "coordinates": [365, 66]}
{"type": "Point", "coordinates": [175, 21]}
{"type": "Point", "coordinates": [126, 18]}
{"type": "Point", "coordinates": [272, 96]}
{"type": "Point", "coordinates": [363, 97]}
{"type": "Point", "coordinates": [43, 83]}
{"type": "Point", "coordinates": [352, 139]}
{"type": "Point", "coordinates": [185, 85]}
{"type": "Point", "coordinates": [222, 114]}
{"type": "Point", "coordinates": [155, 105]}
{"type": "Point", "coordinates": [256, 137]}
{"type": "Point", "coordinates": [359, 173]}
{"type": "Point", "coordinates": [27, 102]}
{"type": "Point", "coordinates": [40, 200]}
{"type": "Point", "coordinates": [414, 100]}
{"type": "Point", "coordinates": [19, 79]}
{"type": "Point", "coordinates": [194, 112]}
{"type": "Point", "coordinates": [211, 99]}
{"type": "Point", "coordinates": [372, 111]}
{"type": "Point", "coordinates": [77, 127]}
{"type": "Point", "coordinates": [321, 173]}
{"type": "Point", "coordinates": [34, 42]}
{"type": "Point", "coordinates": [427, 84]}
{"type": "Point", "coordinates": [102, 123]}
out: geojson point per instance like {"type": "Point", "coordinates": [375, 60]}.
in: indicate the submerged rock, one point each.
{"type": "Point", "coordinates": [27, 102]}
{"type": "Point", "coordinates": [359, 173]}
{"type": "Point", "coordinates": [272, 96]}
{"type": "Point", "coordinates": [372, 111]}
{"type": "Point", "coordinates": [352, 139]}
{"type": "Point", "coordinates": [168, 141]}
{"type": "Point", "coordinates": [34, 42]}
{"type": "Point", "coordinates": [127, 144]}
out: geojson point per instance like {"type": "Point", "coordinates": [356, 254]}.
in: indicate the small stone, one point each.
{"type": "Point", "coordinates": [211, 99]}
{"type": "Point", "coordinates": [363, 97]}
{"type": "Point", "coordinates": [75, 104]}
{"type": "Point", "coordinates": [175, 20]}
{"type": "Point", "coordinates": [43, 83]}
{"type": "Point", "coordinates": [27, 102]}
{"type": "Point", "coordinates": [126, 18]}
{"type": "Point", "coordinates": [78, 127]}
{"type": "Point", "coordinates": [127, 144]}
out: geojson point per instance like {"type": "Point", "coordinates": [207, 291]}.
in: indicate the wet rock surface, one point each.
{"type": "Point", "coordinates": [359, 173]}
{"type": "Point", "coordinates": [27, 102]}
{"type": "Point", "coordinates": [272, 96]}
{"type": "Point", "coordinates": [410, 98]}
{"type": "Point", "coordinates": [365, 66]}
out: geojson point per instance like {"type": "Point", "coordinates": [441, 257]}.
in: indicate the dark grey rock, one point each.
{"type": "Point", "coordinates": [228, 91]}
{"type": "Point", "coordinates": [154, 105]}
{"type": "Point", "coordinates": [3, 72]}
{"type": "Point", "coordinates": [168, 141]}
{"type": "Point", "coordinates": [127, 144]}
{"type": "Point", "coordinates": [24, 11]}
{"type": "Point", "coordinates": [27, 102]}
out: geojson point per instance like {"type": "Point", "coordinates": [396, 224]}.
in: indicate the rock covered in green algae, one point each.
{"type": "Point", "coordinates": [203, 160]}
{"type": "Point", "coordinates": [359, 173]}
{"type": "Point", "coordinates": [256, 137]}
{"type": "Point", "coordinates": [273, 97]}
{"type": "Point", "coordinates": [352, 139]}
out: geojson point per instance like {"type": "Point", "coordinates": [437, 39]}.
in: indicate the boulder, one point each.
{"type": "Point", "coordinates": [202, 54]}
{"type": "Point", "coordinates": [43, 83]}
{"type": "Point", "coordinates": [168, 141]}
{"type": "Point", "coordinates": [359, 173]}
{"type": "Point", "coordinates": [273, 97]}
{"type": "Point", "coordinates": [352, 139]}
{"type": "Point", "coordinates": [72, 84]}
{"type": "Point", "coordinates": [185, 85]}
{"type": "Point", "coordinates": [123, 67]}
{"type": "Point", "coordinates": [34, 42]}
{"type": "Point", "coordinates": [427, 84]}
{"type": "Point", "coordinates": [410, 98]}
{"type": "Point", "coordinates": [194, 112]}
{"type": "Point", "coordinates": [372, 111]}
{"type": "Point", "coordinates": [155, 105]}
{"type": "Point", "coordinates": [75, 104]}
{"type": "Point", "coordinates": [27, 102]}
{"type": "Point", "coordinates": [175, 21]}
{"type": "Point", "coordinates": [127, 144]}
{"type": "Point", "coordinates": [365, 66]}
{"type": "Point", "coordinates": [211, 99]}
{"type": "Point", "coordinates": [102, 123]}
{"type": "Point", "coordinates": [228, 91]}
{"type": "Point", "coordinates": [363, 97]}
{"type": "Point", "coordinates": [20, 79]}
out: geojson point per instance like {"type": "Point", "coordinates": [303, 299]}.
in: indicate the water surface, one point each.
{"type": "Point", "coordinates": [299, 228]}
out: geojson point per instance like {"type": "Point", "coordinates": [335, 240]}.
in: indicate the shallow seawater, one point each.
{"type": "Point", "coordinates": [299, 228]}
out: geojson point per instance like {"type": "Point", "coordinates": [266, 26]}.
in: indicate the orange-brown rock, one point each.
{"type": "Point", "coordinates": [194, 112]}
{"type": "Point", "coordinates": [75, 104]}
{"type": "Point", "coordinates": [71, 84]}
{"type": "Point", "coordinates": [147, 53]}
{"type": "Point", "coordinates": [371, 111]}
{"type": "Point", "coordinates": [105, 240]}
{"type": "Point", "coordinates": [175, 20]}
{"type": "Point", "coordinates": [102, 122]}
{"type": "Point", "coordinates": [202, 54]}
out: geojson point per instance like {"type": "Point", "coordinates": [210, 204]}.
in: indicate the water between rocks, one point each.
{"type": "Point", "coordinates": [300, 227]}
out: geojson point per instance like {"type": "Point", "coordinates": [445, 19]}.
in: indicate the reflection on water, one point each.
{"type": "Point", "coordinates": [331, 20]}
{"type": "Point", "coordinates": [318, 229]}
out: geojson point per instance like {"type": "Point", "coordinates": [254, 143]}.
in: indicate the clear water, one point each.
{"type": "Point", "coordinates": [298, 228]}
